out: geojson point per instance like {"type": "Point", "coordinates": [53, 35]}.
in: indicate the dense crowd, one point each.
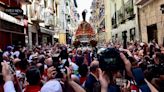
{"type": "Point", "coordinates": [62, 68]}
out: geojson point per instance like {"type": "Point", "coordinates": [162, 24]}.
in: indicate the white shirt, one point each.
{"type": "Point", "coordinates": [6, 54]}
{"type": "Point", "coordinates": [16, 53]}
{"type": "Point", "coordinates": [9, 87]}
{"type": "Point", "coordinates": [51, 86]}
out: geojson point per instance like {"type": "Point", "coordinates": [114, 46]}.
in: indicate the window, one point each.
{"type": "Point", "coordinates": [66, 3]}
{"type": "Point", "coordinates": [116, 35]}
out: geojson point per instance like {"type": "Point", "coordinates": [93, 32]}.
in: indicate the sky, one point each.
{"type": "Point", "coordinates": [84, 4]}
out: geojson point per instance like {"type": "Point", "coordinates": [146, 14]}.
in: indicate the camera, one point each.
{"type": "Point", "coordinates": [60, 66]}
{"type": "Point", "coordinates": [110, 59]}
{"type": "Point", "coordinates": [121, 81]}
{"type": "Point", "coordinates": [156, 70]}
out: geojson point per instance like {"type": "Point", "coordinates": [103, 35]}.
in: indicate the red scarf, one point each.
{"type": "Point", "coordinates": [35, 88]}
{"type": "Point", "coordinates": [82, 79]}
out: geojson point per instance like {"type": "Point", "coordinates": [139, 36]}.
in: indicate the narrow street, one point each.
{"type": "Point", "coordinates": [81, 45]}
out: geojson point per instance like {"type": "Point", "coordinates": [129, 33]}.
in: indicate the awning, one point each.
{"type": "Point", "coordinates": [46, 31]}
{"type": "Point", "coordinates": [11, 19]}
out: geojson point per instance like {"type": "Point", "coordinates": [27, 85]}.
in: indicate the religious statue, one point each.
{"type": "Point", "coordinates": [84, 15]}
{"type": "Point", "coordinates": [84, 31]}
{"type": "Point", "coordinates": [84, 23]}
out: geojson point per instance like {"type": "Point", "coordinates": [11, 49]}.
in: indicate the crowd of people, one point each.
{"type": "Point", "coordinates": [62, 68]}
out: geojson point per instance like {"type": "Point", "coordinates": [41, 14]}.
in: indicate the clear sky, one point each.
{"type": "Point", "coordinates": [84, 4]}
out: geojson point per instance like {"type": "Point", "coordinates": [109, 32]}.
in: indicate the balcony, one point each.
{"type": "Point", "coordinates": [121, 16]}
{"type": "Point", "coordinates": [26, 2]}
{"type": "Point", "coordinates": [98, 3]}
{"type": "Point", "coordinates": [141, 2]}
{"type": "Point", "coordinates": [101, 14]}
{"type": "Point", "coordinates": [129, 10]}
{"type": "Point", "coordinates": [93, 6]}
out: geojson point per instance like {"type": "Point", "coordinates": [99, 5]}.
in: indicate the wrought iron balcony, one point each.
{"type": "Point", "coordinates": [121, 15]}
{"type": "Point", "coordinates": [129, 10]}
{"type": "Point", "coordinates": [141, 2]}
{"type": "Point", "coordinates": [25, 1]}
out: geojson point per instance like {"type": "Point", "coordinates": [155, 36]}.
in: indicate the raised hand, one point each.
{"type": "Point", "coordinates": [51, 72]}
{"type": "Point", "coordinates": [7, 76]}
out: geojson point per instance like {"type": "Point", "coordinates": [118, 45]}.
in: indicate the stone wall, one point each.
{"type": "Point", "coordinates": [149, 15]}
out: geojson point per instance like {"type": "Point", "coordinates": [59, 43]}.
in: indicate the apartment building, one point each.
{"type": "Point", "coordinates": [124, 17]}
{"type": "Point", "coordinates": [151, 20]}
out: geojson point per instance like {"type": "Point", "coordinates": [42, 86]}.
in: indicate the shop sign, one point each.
{"type": "Point", "coordinates": [14, 11]}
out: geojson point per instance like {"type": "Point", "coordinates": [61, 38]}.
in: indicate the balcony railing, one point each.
{"type": "Point", "coordinates": [121, 15]}
{"type": "Point", "coordinates": [26, 1]}
{"type": "Point", "coordinates": [141, 2]}
{"type": "Point", "coordinates": [129, 10]}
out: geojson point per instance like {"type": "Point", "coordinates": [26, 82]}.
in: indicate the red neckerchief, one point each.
{"type": "Point", "coordinates": [35, 88]}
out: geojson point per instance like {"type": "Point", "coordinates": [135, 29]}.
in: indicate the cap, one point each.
{"type": "Point", "coordinates": [52, 86]}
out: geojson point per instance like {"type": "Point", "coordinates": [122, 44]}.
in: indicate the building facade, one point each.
{"type": "Point", "coordinates": [97, 20]}
{"type": "Point", "coordinates": [108, 22]}
{"type": "Point", "coordinates": [151, 20]}
{"type": "Point", "coordinates": [68, 20]}
{"type": "Point", "coordinates": [12, 27]}
{"type": "Point", "coordinates": [124, 17]}
{"type": "Point", "coordinates": [42, 16]}
{"type": "Point", "coordinates": [45, 21]}
{"type": "Point", "coordinates": [101, 20]}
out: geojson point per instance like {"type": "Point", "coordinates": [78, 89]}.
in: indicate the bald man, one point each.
{"type": "Point", "coordinates": [49, 62]}
{"type": "Point", "coordinates": [92, 79]}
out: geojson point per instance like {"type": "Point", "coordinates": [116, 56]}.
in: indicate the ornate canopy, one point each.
{"type": "Point", "coordinates": [85, 29]}
{"type": "Point", "coordinates": [85, 32]}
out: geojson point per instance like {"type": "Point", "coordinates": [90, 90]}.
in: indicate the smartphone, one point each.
{"type": "Point", "coordinates": [121, 81]}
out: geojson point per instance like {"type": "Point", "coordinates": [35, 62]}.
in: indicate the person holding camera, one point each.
{"type": "Point", "coordinates": [113, 66]}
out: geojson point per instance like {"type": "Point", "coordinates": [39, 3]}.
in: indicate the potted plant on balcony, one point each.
{"type": "Point", "coordinates": [129, 9]}
{"type": "Point", "coordinates": [130, 12]}
{"type": "Point", "coordinates": [121, 16]}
